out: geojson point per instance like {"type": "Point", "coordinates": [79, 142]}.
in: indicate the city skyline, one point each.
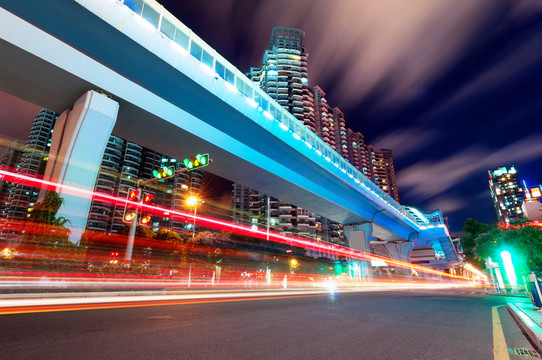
{"type": "Point", "coordinates": [240, 179]}
{"type": "Point", "coordinates": [429, 163]}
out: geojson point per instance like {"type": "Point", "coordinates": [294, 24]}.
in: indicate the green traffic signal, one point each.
{"type": "Point", "coordinates": [163, 172]}
{"type": "Point", "coordinates": [202, 159]}
{"type": "Point", "coordinates": [189, 165]}
{"type": "Point", "coordinates": [195, 162]}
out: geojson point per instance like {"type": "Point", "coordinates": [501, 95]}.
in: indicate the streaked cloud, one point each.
{"type": "Point", "coordinates": [406, 141]}
{"type": "Point", "coordinates": [447, 204]}
{"type": "Point", "coordinates": [427, 179]}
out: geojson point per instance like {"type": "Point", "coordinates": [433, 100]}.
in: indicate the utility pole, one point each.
{"type": "Point", "coordinates": [133, 226]}
{"type": "Point", "coordinates": [268, 215]}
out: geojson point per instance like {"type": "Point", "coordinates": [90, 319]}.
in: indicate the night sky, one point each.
{"type": "Point", "coordinates": [455, 87]}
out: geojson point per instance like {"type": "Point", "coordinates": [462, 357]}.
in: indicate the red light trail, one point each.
{"type": "Point", "coordinates": [217, 224]}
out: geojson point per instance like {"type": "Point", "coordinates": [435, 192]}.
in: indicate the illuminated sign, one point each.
{"type": "Point", "coordinates": [378, 262]}
{"type": "Point", "coordinates": [535, 192]}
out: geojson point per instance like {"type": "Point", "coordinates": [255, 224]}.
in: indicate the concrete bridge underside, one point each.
{"type": "Point", "coordinates": [169, 113]}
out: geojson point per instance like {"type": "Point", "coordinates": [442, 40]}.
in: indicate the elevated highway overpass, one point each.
{"type": "Point", "coordinates": [168, 90]}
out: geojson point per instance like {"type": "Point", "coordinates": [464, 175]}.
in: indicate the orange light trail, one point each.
{"type": "Point", "coordinates": [100, 306]}
{"type": "Point", "coordinates": [20, 306]}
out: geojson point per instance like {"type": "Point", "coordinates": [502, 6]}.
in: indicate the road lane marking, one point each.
{"type": "Point", "coordinates": [500, 350]}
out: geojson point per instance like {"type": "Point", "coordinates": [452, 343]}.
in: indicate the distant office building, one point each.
{"type": "Point", "coordinates": [11, 156]}
{"type": "Point", "coordinates": [240, 203]}
{"type": "Point", "coordinates": [383, 171]}
{"type": "Point", "coordinates": [506, 194]}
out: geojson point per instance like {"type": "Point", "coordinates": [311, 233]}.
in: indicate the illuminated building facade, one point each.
{"type": "Point", "coordinates": [339, 125]}
{"type": "Point", "coordinates": [32, 162]}
{"type": "Point", "coordinates": [8, 161]}
{"type": "Point", "coordinates": [506, 193]}
{"type": "Point", "coordinates": [283, 76]}
{"type": "Point", "coordinates": [323, 117]}
{"type": "Point", "coordinates": [357, 152]}
{"type": "Point", "coordinates": [383, 171]}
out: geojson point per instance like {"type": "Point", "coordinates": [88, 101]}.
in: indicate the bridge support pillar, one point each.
{"type": "Point", "coordinates": [359, 236]}
{"type": "Point", "coordinates": [77, 147]}
{"type": "Point", "coordinates": [399, 250]}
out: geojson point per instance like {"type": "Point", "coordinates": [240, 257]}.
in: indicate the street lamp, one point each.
{"type": "Point", "coordinates": [193, 201]}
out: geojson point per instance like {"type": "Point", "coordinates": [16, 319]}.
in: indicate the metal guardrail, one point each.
{"type": "Point", "coordinates": [187, 43]}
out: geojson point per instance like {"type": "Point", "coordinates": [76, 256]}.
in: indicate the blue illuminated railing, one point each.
{"type": "Point", "coordinates": [188, 43]}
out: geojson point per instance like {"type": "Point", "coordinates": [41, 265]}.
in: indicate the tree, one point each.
{"type": "Point", "coordinates": [524, 243]}
{"type": "Point", "coordinates": [522, 240]}
{"type": "Point", "coordinates": [169, 236]}
{"type": "Point", "coordinates": [474, 229]}
{"type": "Point", "coordinates": [210, 238]}
{"type": "Point", "coordinates": [45, 211]}
{"type": "Point", "coordinates": [141, 231]}
{"type": "Point", "coordinates": [472, 226]}
{"type": "Point", "coordinates": [46, 233]}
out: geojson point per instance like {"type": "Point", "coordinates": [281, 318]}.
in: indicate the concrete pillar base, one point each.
{"type": "Point", "coordinates": [359, 236]}
{"type": "Point", "coordinates": [77, 147]}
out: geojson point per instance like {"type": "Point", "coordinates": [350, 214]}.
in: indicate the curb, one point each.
{"type": "Point", "coordinates": [518, 295]}
{"type": "Point", "coordinates": [529, 325]}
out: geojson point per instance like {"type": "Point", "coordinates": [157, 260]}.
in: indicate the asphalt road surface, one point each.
{"type": "Point", "coordinates": [406, 325]}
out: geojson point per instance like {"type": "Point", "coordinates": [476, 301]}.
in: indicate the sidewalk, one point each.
{"type": "Point", "coordinates": [529, 319]}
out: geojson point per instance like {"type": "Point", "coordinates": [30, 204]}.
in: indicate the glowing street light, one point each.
{"type": "Point", "coordinates": [509, 268]}
{"type": "Point", "coordinates": [193, 201]}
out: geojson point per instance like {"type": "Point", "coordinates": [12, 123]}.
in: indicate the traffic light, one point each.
{"type": "Point", "coordinates": [133, 194]}
{"type": "Point", "coordinates": [197, 161]}
{"type": "Point", "coordinates": [114, 258]}
{"type": "Point", "coordinates": [163, 172]}
{"type": "Point", "coordinates": [129, 216]}
{"type": "Point", "coordinates": [147, 198]}
{"type": "Point", "coordinates": [130, 209]}
{"type": "Point", "coordinates": [145, 219]}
